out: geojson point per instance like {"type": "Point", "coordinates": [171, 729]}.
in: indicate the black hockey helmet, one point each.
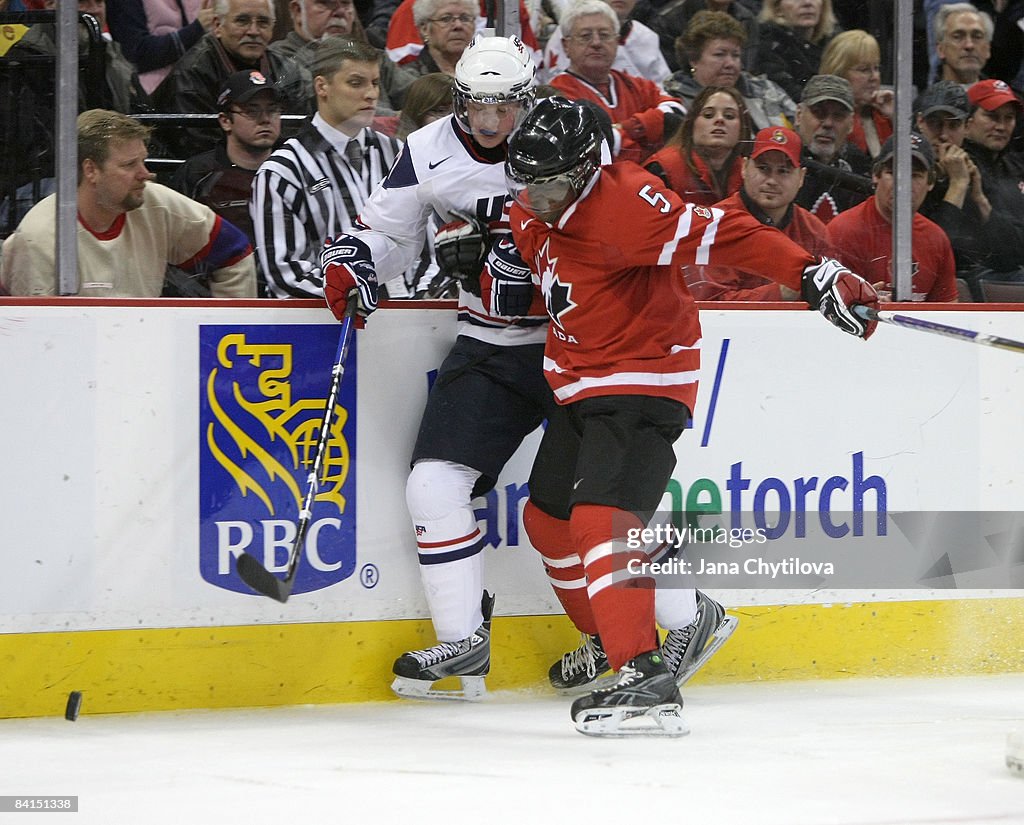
{"type": "Point", "coordinates": [552, 156]}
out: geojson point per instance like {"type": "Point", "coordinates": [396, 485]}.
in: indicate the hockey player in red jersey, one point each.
{"type": "Point", "coordinates": [622, 356]}
{"type": "Point", "coordinates": [490, 392]}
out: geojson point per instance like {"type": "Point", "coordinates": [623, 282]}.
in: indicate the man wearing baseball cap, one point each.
{"type": "Point", "coordinates": [772, 176]}
{"type": "Point", "coordinates": [940, 113]}
{"type": "Point", "coordinates": [958, 202]}
{"type": "Point", "coordinates": [250, 119]}
{"type": "Point", "coordinates": [862, 236]}
{"type": "Point", "coordinates": [994, 111]}
{"type": "Point", "coordinates": [836, 177]}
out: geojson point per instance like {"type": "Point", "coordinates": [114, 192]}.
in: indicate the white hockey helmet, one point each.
{"type": "Point", "coordinates": [493, 70]}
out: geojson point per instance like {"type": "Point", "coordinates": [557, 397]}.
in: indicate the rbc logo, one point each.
{"type": "Point", "coordinates": [261, 406]}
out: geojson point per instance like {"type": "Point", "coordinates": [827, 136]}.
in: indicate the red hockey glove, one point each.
{"type": "Point", "coordinates": [348, 268]}
{"type": "Point", "coordinates": [506, 283]}
{"type": "Point", "coordinates": [833, 290]}
{"type": "Point", "coordinates": [460, 247]}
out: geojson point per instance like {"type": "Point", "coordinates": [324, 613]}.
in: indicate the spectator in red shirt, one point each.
{"type": "Point", "coordinates": [772, 176]}
{"type": "Point", "coordinates": [862, 236]}
{"type": "Point", "coordinates": [703, 161]}
{"type": "Point", "coordinates": [642, 114]}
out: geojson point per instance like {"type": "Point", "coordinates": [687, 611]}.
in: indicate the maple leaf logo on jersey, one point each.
{"type": "Point", "coordinates": [558, 300]}
{"type": "Point", "coordinates": [557, 296]}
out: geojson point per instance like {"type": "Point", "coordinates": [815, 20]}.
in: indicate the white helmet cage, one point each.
{"type": "Point", "coordinates": [493, 70]}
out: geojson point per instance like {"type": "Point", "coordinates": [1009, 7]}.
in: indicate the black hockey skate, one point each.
{"type": "Point", "coordinates": [644, 693]}
{"type": "Point", "coordinates": [583, 669]}
{"type": "Point", "coordinates": [469, 659]}
{"type": "Point", "coordinates": [687, 649]}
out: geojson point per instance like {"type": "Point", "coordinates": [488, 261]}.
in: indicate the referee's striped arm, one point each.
{"type": "Point", "coordinates": [286, 218]}
{"type": "Point", "coordinates": [301, 194]}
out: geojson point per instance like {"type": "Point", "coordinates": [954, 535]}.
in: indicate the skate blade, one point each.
{"type": "Point", "coordinates": [660, 720]}
{"type": "Point", "coordinates": [473, 689]}
{"type": "Point", "coordinates": [606, 680]}
{"type": "Point", "coordinates": [719, 638]}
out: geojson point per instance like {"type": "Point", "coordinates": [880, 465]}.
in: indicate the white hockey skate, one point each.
{"type": "Point", "coordinates": [644, 701]}
{"type": "Point", "coordinates": [582, 670]}
{"type": "Point", "coordinates": [687, 649]}
{"type": "Point", "coordinates": [468, 659]}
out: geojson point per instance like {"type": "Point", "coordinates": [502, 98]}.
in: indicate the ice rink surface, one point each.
{"type": "Point", "coordinates": [850, 752]}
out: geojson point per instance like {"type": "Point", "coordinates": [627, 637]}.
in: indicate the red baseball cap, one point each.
{"type": "Point", "coordinates": [778, 139]}
{"type": "Point", "coordinates": [991, 94]}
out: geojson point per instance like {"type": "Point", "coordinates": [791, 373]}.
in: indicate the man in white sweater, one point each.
{"type": "Point", "coordinates": [129, 229]}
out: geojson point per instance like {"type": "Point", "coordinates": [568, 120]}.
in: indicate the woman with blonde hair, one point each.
{"type": "Point", "coordinates": [703, 161]}
{"type": "Point", "coordinates": [855, 55]}
{"type": "Point", "coordinates": [791, 38]}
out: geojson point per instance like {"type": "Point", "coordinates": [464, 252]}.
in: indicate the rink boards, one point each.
{"type": "Point", "coordinates": [148, 444]}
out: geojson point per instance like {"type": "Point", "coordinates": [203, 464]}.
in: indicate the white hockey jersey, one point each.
{"type": "Point", "coordinates": [441, 170]}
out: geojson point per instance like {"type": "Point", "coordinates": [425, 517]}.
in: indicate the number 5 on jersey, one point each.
{"type": "Point", "coordinates": [655, 199]}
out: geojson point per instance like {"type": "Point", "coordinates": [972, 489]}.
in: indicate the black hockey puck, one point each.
{"type": "Point", "coordinates": [73, 706]}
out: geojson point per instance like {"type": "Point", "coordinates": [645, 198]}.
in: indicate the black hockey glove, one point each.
{"type": "Point", "coordinates": [507, 282]}
{"type": "Point", "coordinates": [833, 290]}
{"type": "Point", "coordinates": [461, 248]}
{"type": "Point", "coordinates": [347, 266]}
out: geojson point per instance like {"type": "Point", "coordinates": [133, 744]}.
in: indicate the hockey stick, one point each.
{"type": "Point", "coordinates": [969, 335]}
{"type": "Point", "coordinates": [250, 570]}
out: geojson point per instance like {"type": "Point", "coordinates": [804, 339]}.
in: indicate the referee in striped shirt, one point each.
{"type": "Point", "coordinates": [315, 184]}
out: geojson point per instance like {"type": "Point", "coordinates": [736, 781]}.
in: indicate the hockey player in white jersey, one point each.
{"type": "Point", "coordinates": [490, 392]}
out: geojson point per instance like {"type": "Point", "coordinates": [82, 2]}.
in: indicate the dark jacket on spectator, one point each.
{"type": "Point", "coordinates": [786, 57]}
{"type": "Point", "coordinates": [212, 178]}
{"type": "Point", "coordinates": [288, 45]}
{"type": "Point", "coordinates": [375, 18]}
{"type": "Point", "coordinates": [27, 111]}
{"type": "Point", "coordinates": [1002, 178]}
{"type": "Point", "coordinates": [119, 90]}
{"type": "Point", "coordinates": [197, 79]}
{"type": "Point", "coordinates": [976, 244]}
{"type": "Point", "coordinates": [844, 183]}
{"type": "Point", "coordinates": [1007, 51]}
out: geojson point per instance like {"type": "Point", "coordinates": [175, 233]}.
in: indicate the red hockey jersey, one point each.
{"type": "Point", "coordinates": [700, 187]}
{"type": "Point", "coordinates": [622, 319]}
{"type": "Point", "coordinates": [637, 104]}
{"type": "Point", "coordinates": [710, 283]}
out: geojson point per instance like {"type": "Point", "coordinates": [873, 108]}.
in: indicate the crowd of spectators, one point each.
{"type": "Point", "coordinates": [684, 84]}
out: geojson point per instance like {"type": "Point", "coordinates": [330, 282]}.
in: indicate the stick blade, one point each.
{"type": "Point", "coordinates": [262, 580]}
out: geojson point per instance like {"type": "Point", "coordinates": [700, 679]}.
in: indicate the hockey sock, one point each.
{"type": "Point", "coordinates": [675, 607]}
{"type": "Point", "coordinates": [453, 596]}
{"type": "Point", "coordinates": [622, 600]}
{"type": "Point", "coordinates": [553, 539]}
{"type": "Point", "coordinates": [449, 546]}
